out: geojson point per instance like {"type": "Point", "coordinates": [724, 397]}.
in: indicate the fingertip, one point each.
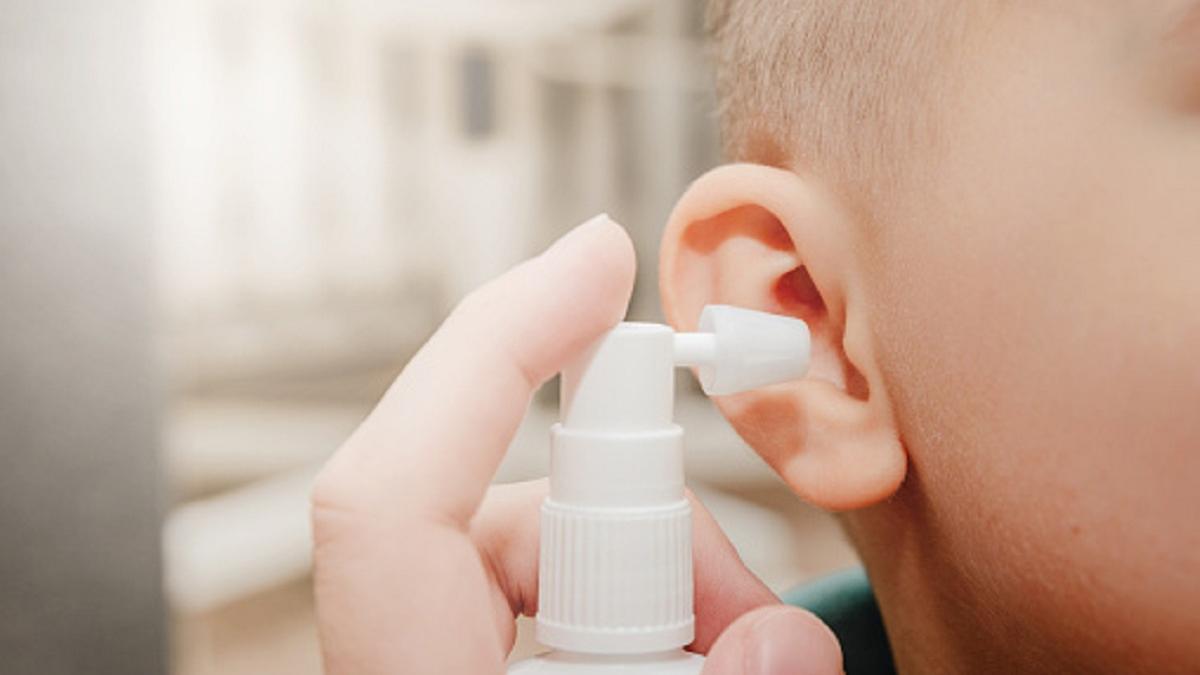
{"type": "Point", "coordinates": [590, 273]}
{"type": "Point", "coordinates": [778, 640]}
{"type": "Point", "coordinates": [790, 640]}
{"type": "Point", "coordinates": [600, 250]}
{"type": "Point", "coordinates": [619, 255]}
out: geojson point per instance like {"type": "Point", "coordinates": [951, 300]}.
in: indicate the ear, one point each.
{"type": "Point", "coordinates": [765, 238]}
{"type": "Point", "coordinates": [1179, 71]}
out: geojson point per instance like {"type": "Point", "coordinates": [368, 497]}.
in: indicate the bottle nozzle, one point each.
{"type": "Point", "coordinates": [738, 349]}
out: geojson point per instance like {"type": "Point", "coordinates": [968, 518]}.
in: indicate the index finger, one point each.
{"type": "Point", "coordinates": [433, 442]}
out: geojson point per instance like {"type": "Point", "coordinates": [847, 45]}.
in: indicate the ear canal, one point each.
{"type": "Point", "coordinates": [796, 293]}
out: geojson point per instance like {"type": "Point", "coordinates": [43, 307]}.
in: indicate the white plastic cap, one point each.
{"type": "Point", "coordinates": [740, 349]}
{"type": "Point", "coordinates": [615, 573]}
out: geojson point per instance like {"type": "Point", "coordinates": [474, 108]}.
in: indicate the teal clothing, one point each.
{"type": "Point", "coordinates": [845, 602]}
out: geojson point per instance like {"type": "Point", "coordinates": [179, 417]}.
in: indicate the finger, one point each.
{"type": "Point", "coordinates": [506, 532]}
{"type": "Point", "coordinates": [433, 443]}
{"type": "Point", "coordinates": [777, 640]}
{"type": "Point", "coordinates": [725, 587]}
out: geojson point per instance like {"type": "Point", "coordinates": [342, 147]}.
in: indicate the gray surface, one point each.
{"type": "Point", "coordinates": [80, 588]}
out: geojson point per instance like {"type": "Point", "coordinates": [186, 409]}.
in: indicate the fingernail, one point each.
{"type": "Point", "coordinates": [789, 642]}
{"type": "Point", "coordinates": [581, 232]}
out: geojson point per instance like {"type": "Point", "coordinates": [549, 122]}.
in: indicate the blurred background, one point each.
{"type": "Point", "coordinates": [224, 228]}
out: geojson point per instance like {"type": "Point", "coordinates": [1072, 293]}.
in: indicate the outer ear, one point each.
{"type": "Point", "coordinates": [767, 239]}
{"type": "Point", "coordinates": [1179, 71]}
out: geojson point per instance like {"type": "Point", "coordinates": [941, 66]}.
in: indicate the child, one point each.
{"type": "Point", "coordinates": [987, 212]}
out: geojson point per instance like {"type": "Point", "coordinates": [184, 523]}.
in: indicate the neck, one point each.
{"type": "Point", "coordinates": [940, 614]}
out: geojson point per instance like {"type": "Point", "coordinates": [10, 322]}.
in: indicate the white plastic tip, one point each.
{"type": "Point", "coordinates": [738, 349]}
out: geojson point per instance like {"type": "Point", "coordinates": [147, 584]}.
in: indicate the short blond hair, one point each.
{"type": "Point", "coordinates": [838, 87]}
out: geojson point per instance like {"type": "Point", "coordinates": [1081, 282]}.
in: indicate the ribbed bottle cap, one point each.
{"type": "Point", "coordinates": [615, 581]}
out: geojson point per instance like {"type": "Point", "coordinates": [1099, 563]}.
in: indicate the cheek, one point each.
{"type": "Point", "coordinates": [1042, 355]}
{"type": "Point", "coordinates": [1039, 328]}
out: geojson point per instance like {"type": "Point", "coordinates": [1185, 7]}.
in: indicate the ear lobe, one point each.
{"type": "Point", "coordinates": [763, 238]}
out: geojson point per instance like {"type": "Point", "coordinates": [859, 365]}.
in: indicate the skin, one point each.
{"type": "Point", "coordinates": [421, 568]}
{"type": "Point", "coordinates": [1005, 383]}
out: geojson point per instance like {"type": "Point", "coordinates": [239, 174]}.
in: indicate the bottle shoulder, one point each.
{"type": "Point", "coordinates": [556, 663]}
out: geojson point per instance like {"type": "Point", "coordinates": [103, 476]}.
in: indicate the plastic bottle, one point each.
{"type": "Point", "coordinates": [615, 571]}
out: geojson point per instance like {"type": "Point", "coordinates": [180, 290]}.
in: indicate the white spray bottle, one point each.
{"type": "Point", "coordinates": [615, 573]}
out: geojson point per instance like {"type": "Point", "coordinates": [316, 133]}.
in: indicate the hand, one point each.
{"type": "Point", "coordinates": [420, 568]}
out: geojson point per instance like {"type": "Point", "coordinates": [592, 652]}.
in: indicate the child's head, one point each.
{"type": "Point", "coordinates": [989, 214]}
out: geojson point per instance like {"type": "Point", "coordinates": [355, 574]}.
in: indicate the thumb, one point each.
{"type": "Point", "coordinates": [775, 640]}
